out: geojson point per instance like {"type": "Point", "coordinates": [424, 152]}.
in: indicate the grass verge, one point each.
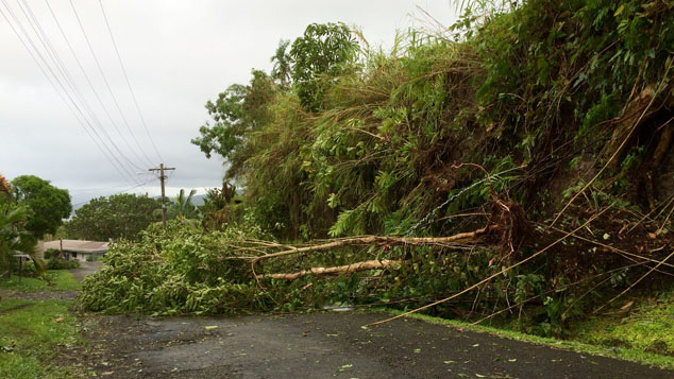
{"type": "Point", "coordinates": [648, 326]}
{"type": "Point", "coordinates": [54, 280]}
{"type": "Point", "coordinates": [31, 333]}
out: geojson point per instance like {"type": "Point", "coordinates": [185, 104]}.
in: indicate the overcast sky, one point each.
{"type": "Point", "coordinates": [177, 55]}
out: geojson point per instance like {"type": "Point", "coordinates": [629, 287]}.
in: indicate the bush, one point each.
{"type": "Point", "coordinates": [183, 270]}
{"type": "Point", "coordinates": [29, 269]}
{"type": "Point", "coordinates": [62, 264]}
{"type": "Point", "coordinates": [50, 253]}
{"type": "Point", "coordinates": [175, 270]}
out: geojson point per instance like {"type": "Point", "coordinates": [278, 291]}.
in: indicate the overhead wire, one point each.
{"type": "Point", "coordinates": [128, 82]}
{"type": "Point", "coordinates": [89, 82]}
{"type": "Point", "coordinates": [56, 72]}
{"type": "Point", "coordinates": [76, 205]}
{"type": "Point", "coordinates": [55, 76]}
{"type": "Point", "coordinates": [56, 83]}
{"type": "Point", "coordinates": [103, 76]}
{"type": "Point", "coordinates": [68, 79]}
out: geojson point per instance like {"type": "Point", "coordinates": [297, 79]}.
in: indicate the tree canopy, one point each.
{"type": "Point", "coordinates": [49, 205]}
{"type": "Point", "coordinates": [114, 217]}
{"type": "Point", "coordinates": [321, 54]}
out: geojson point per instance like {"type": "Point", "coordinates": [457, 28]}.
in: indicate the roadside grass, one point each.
{"type": "Point", "coordinates": [31, 333]}
{"type": "Point", "coordinates": [586, 346]}
{"type": "Point", "coordinates": [54, 280]}
{"type": "Point", "coordinates": [648, 327]}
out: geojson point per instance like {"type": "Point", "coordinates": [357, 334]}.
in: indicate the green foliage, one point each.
{"type": "Point", "coordinates": [376, 153]}
{"type": "Point", "coordinates": [183, 270]}
{"type": "Point", "coordinates": [225, 136]}
{"type": "Point", "coordinates": [319, 56]}
{"type": "Point", "coordinates": [49, 253]}
{"type": "Point", "coordinates": [238, 112]}
{"type": "Point", "coordinates": [13, 235]}
{"type": "Point", "coordinates": [282, 64]}
{"type": "Point", "coordinates": [49, 205]}
{"type": "Point", "coordinates": [546, 61]}
{"type": "Point", "coordinates": [647, 327]}
{"type": "Point", "coordinates": [177, 269]}
{"type": "Point", "coordinates": [181, 206]}
{"type": "Point", "coordinates": [62, 264]}
{"type": "Point", "coordinates": [432, 137]}
{"type": "Point", "coordinates": [577, 343]}
{"type": "Point", "coordinates": [222, 207]}
{"type": "Point", "coordinates": [117, 216]}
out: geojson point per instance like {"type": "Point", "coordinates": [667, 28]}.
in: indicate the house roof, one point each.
{"type": "Point", "coordinates": [74, 246]}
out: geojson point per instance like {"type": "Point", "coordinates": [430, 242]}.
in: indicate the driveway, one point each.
{"type": "Point", "coordinates": [87, 268]}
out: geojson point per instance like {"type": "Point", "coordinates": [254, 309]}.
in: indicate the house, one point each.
{"type": "Point", "coordinates": [76, 249]}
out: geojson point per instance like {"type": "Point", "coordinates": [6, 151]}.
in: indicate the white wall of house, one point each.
{"type": "Point", "coordinates": [82, 257]}
{"type": "Point", "coordinates": [78, 257]}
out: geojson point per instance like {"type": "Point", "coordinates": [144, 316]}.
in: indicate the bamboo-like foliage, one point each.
{"type": "Point", "coordinates": [504, 125]}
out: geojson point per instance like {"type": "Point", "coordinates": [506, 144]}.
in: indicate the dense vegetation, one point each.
{"type": "Point", "coordinates": [48, 204]}
{"type": "Point", "coordinates": [30, 207]}
{"type": "Point", "coordinates": [117, 216]}
{"type": "Point", "coordinates": [13, 237]}
{"type": "Point", "coordinates": [548, 122]}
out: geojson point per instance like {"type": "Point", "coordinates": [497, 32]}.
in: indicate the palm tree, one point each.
{"type": "Point", "coordinates": [282, 63]}
{"type": "Point", "coordinates": [181, 205]}
{"type": "Point", "coordinates": [13, 237]}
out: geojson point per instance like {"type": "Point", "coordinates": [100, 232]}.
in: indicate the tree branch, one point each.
{"type": "Point", "coordinates": [346, 269]}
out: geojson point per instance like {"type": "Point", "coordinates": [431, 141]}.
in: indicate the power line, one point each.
{"type": "Point", "coordinates": [70, 82]}
{"type": "Point", "coordinates": [116, 193]}
{"type": "Point", "coordinates": [108, 188]}
{"type": "Point", "coordinates": [63, 93]}
{"type": "Point", "coordinates": [55, 76]}
{"type": "Point", "coordinates": [105, 80]}
{"type": "Point", "coordinates": [128, 82]}
{"type": "Point", "coordinates": [89, 82]}
{"type": "Point", "coordinates": [55, 70]}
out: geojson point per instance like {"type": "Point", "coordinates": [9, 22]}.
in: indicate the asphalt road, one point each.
{"type": "Point", "coordinates": [320, 345]}
{"type": "Point", "coordinates": [323, 345]}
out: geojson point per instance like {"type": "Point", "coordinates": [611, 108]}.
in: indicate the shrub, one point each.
{"type": "Point", "coordinates": [62, 264]}
{"type": "Point", "coordinates": [51, 253]}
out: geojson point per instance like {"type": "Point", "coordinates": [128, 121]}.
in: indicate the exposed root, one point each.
{"type": "Point", "coordinates": [489, 278]}
{"type": "Point", "coordinates": [513, 226]}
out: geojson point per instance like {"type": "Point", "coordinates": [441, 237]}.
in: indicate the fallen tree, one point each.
{"type": "Point", "coordinates": [339, 270]}
{"type": "Point", "coordinates": [379, 241]}
{"type": "Point", "coordinates": [565, 107]}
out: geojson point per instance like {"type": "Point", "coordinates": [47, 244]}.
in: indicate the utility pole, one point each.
{"type": "Point", "coordinates": [162, 178]}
